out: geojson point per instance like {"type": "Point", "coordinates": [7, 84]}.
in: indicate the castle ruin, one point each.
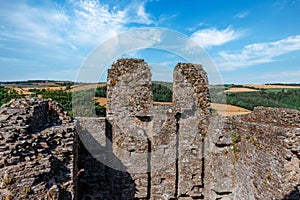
{"type": "Point", "coordinates": [164, 142]}
{"type": "Point", "coordinates": [145, 150]}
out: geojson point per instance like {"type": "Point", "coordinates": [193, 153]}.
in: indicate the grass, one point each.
{"type": "Point", "coordinates": [235, 138]}
{"type": "Point", "coordinates": [26, 191]}
{"type": "Point", "coordinates": [7, 181]}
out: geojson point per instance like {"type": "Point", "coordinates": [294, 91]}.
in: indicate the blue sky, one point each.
{"type": "Point", "coordinates": [249, 41]}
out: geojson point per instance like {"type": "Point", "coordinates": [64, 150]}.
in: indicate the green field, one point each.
{"type": "Point", "coordinates": [281, 98]}
{"type": "Point", "coordinates": [6, 94]}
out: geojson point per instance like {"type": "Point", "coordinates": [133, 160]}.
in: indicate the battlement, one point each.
{"type": "Point", "coordinates": [131, 80]}
{"type": "Point", "coordinates": [159, 143]}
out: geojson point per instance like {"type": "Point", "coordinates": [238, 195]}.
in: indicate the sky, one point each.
{"type": "Point", "coordinates": [249, 41]}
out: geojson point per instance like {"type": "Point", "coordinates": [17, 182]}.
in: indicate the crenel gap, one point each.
{"type": "Point", "coordinates": [149, 169]}
{"type": "Point", "coordinates": [177, 116]}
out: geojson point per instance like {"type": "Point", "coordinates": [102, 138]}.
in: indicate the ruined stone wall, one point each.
{"type": "Point", "coordinates": [36, 151]}
{"type": "Point", "coordinates": [190, 93]}
{"type": "Point", "coordinates": [177, 151]}
{"type": "Point", "coordinates": [156, 150]}
{"type": "Point", "coordinates": [98, 177]}
{"type": "Point", "coordinates": [143, 150]}
{"type": "Point", "coordinates": [254, 156]}
{"type": "Point", "coordinates": [160, 145]}
{"type": "Point", "coordinates": [129, 102]}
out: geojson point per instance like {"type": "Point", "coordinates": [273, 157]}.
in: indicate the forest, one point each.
{"type": "Point", "coordinates": [280, 98]}
{"type": "Point", "coordinates": [160, 92]}
{"type": "Point", "coordinates": [77, 103]}
{"type": "Point", "coordinates": [6, 94]}
{"type": "Point", "coordinates": [63, 97]}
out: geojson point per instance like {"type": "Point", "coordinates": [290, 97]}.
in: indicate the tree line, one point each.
{"type": "Point", "coordinates": [7, 94]}
{"type": "Point", "coordinates": [160, 92]}
{"type": "Point", "coordinates": [284, 98]}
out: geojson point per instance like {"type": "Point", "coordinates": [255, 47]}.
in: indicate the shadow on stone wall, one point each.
{"type": "Point", "coordinates": [39, 159]}
{"type": "Point", "coordinates": [98, 181]}
{"type": "Point", "coordinates": [294, 195]}
{"type": "Point", "coordinates": [57, 178]}
{"type": "Point", "coordinates": [57, 175]}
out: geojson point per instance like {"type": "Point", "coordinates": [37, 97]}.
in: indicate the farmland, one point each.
{"type": "Point", "coordinates": [240, 99]}
{"type": "Point", "coordinates": [241, 89]}
{"type": "Point", "coordinates": [273, 97]}
{"type": "Point", "coordinates": [229, 110]}
{"type": "Point", "coordinates": [282, 86]}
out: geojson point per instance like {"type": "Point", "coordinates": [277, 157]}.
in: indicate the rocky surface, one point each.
{"type": "Point", "coordinates": [36, 150]}
{"type": "Point", "coordinates": [254, 156]}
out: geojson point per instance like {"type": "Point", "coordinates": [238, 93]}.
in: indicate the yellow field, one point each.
{"type": "Point", "coordinates": [102, 101]}
{"type": "Point", "coordinates": [87, 87]}
{"type": "Point", "coordinates": [22, 91]}
{"type": "Point", "coordinates": [162, 103]}
{"type": "Point", "coordinates": [47, 84]}
{"type": "Point", "coordinates": [53, 86]}
{"type": "Point", "coordinates": [25, 90]}
{"type": "Point", "coordinates": [222, 109]}
{"type": "Point", "coordinates": [273, 86]}
{"type": "Point", "coordinates": [48, 88]}
{"type": "Point", "coordinates": [229, 110]}
{"type": "Point", "coordinates": [233, 89]}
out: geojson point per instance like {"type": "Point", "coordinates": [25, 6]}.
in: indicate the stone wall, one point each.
{"type": "Point", "coordinates": [36, 151]}
{"type": "Point", "coordinates": [191, 96]}
{"type": "Point", "coordinates": [254, 156]}
{"type": "Point", "coordinates": [160, 145]}
{"type": "Point", "coordinates": [129, 102]}
{"type": "Point", "coordinates": [97, 178]}
{"type": "Point", "coordinates": [178, 151]}
{"type": "Point", "coordinates": [157, 150]}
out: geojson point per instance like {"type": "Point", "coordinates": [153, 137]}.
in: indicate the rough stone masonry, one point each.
{"type": "Point", "coordinates": [37, 140]}
{"type": "Point", "coordinates": [163, 143]}
{"type": "Point", "coordinates": [144, 150]}
{"type": "Point", "coordinates": [179, 151]}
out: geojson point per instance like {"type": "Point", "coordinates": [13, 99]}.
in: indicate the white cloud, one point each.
{"type": "Point", "coordinates": [61, 34]}
{"type": "Point", "coordinates": [142, 16]}
{"type": "Point", "coordinates": [283, 74]}
{"type": "Point", "coordinates": [257, 53]}
{"type": "Point", "coordinates": [133, 54]}
{"type": "Point", "coordinates": [165, 17]}
{"type": "Point", "coordinates": [213, 37]}
{"type": "Point", "coordinates": [24, 23]}
{"type": "Point", "coordinates": [242, 14]}
{"type": "Point", "coordinates": [284, 4]}
{"type": "Point", "coordinates": [92, 23]}
{"type": "Point", "coordinates": [84, 23]}
{"type": "Point", "coordinates": [162, 71]}
{"type": "Point", "coordinates": [281, 77]}
{"type": "Point", "coordinates": [193, 28]}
